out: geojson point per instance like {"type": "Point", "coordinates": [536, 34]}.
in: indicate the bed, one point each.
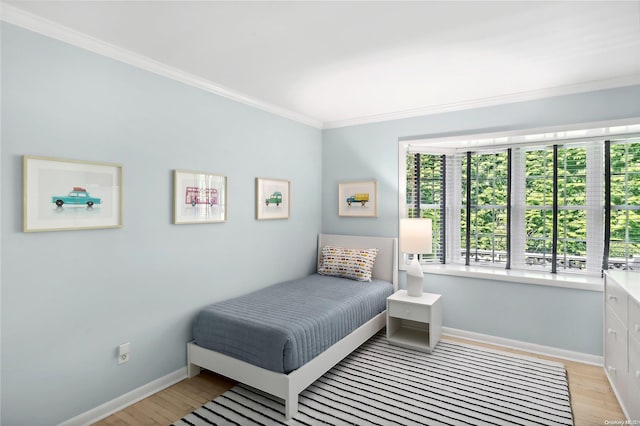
{"type": "Point", "coordinates": [298, 368]}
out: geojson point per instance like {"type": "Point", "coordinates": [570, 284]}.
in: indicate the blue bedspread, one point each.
{"type": "Point", "coordinates": [284, 326]}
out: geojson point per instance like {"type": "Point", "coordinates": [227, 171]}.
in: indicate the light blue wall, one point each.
{"type": "Point", "coordinates": [556, 317]}
{"type": "Point", "coordinates": [562, 318]}
{"type": "Point", "coordinates": [69, 298]}
{"type": "Point", "coordinates": [144, 282]}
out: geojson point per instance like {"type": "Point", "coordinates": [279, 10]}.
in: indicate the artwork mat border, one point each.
{"type": "Point", "coordinates": [176, 173]}
{"type": "Point", "coordinates": [27, 226]}
{"type": "Point", "coordinates": [343, 187]}
{"type": "Point", "coordinates": [260, 195]}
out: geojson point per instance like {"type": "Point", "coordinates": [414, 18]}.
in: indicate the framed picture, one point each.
{"type": "Point", "coordinates": [62, 195]}
{"type": "Point", "coordinates": [199, 197]}
{"type": "Point", "coordinates": [358, 199]}
{"type": "Point", "coordinates": [272, 199]}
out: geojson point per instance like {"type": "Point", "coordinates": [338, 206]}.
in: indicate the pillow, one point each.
{"type": "Point", "coordinates": [351, 263]}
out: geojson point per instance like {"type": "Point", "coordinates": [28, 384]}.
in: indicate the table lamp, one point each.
{"type": "Point", "coordinates": [415, 239]}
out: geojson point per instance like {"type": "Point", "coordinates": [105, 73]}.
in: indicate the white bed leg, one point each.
{"type": "Point", "coordinates": [291, 406]}
{"type": "Point", "coordinates": [192, 370]}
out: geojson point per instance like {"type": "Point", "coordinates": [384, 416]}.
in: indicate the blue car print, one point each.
{"type": "Point", "coordinates": [77, 196]}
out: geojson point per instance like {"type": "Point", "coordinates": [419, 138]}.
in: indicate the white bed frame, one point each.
{"type": "Point", "coordinates": [288, 386]}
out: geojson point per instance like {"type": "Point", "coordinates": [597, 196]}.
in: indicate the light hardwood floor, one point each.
{"type": "Point", "coordinates": [592, 399]}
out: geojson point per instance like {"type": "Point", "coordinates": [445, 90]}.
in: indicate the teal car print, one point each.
{"type": "Point", "coordinates": [77, 196]}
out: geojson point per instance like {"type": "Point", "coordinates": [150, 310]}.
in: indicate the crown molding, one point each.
{"type": "Point", "coordinates": [590, 86]}
{"type": "Point", "coordinates": [37, 24]}
{"type": "Point", "coordinates": [21, 18]}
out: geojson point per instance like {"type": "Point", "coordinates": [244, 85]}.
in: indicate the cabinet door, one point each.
{"type": "Point", "coordinates": [634, 319]}
{"type": "Point", "coordinates": [616, 298]}
{"type": "Point", "coordinates": [615, 351]}
{"type": "Point", "coordinates": [632, 403]}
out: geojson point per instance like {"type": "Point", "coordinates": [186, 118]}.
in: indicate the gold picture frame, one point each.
{"type": "Point", "coordinates": [69, 195]}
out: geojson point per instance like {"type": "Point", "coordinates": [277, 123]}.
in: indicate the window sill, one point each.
{"type": "Point", "coordinates": [580, 282]}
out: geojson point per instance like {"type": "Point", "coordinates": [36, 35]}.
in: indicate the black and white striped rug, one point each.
{"type": "Point", "coordinates": [381, 384]}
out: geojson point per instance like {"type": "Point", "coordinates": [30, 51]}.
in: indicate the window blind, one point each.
{"type": "Point", "coordinates": [518, 209]}
{"type": "Point", "coordinates": [453, 208]}
{"type": "Point", "coordinates": [426, 198]}
{"type": "Point", "coordinates": [595, 206]}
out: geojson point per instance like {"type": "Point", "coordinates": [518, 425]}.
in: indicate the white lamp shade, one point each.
{"type": "Point", "coordinates": [416, 236]}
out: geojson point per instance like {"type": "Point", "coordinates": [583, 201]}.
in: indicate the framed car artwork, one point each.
{"type": "Point", "coordinates": [62, 195]}
{"type": "Point", "coordinates": [199, 197]}
{"type": "Point", "coordinates": [272, 198]}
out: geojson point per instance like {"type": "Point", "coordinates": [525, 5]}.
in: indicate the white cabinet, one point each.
{"type": "Point", "coordinates": [414, 322]}
{"type": "Point", "coordinates": [622, 338]}
{"type": "Point", "coordinates": [633, 384]}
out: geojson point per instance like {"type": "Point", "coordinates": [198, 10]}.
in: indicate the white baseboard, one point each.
{"type": "Point", "coordinates": [526, 346]}
{"type": "Point", "coordinates": [123, 401]}
{"type": "Point", "coordinates": [144, 391]}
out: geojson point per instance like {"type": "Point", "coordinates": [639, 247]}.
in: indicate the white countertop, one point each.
{"type": "Point", "coordinates": [630, 281]}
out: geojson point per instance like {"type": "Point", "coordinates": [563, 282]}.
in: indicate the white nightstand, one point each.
{"type": "Point", "coordinates": [414, 322]}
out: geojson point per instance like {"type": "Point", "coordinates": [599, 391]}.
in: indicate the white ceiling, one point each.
{"type": "Point", "coordinates": [337, 63]}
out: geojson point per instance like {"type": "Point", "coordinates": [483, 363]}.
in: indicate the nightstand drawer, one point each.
{"type": "Point", "coordinates": [410, 311]}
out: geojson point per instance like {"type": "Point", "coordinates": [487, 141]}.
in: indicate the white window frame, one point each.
{"type": "Point", "coordinates": [453, 145]}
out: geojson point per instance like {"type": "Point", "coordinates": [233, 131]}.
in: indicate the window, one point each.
{"type": "Point", "coordinates": [567, 206]}
{"type": "Point", "coordinates": [425, 196]}
{"type": "Point", "coordinates": [624, 190]}
{"type": "Point", "coordinates": [558, 219]}
{"type": "Point", "coordinates": [572, 208]}
{"type": "Point", "coordinates": [484, 204]}
{"type": "Point", "coordinates": [538, 208]}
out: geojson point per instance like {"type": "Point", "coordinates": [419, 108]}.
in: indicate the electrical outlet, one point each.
{"type": "Point", "coordinates": [124, 353]}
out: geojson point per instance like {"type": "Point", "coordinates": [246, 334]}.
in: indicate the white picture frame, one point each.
{"type": "Point", "coordinates": [272, 199]}
{"type": "Point", "coordinates": [199, 197]}
{"type": "Point", "coordinates": [358, 199]}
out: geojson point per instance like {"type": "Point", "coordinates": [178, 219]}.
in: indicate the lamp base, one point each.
{"type": "Point", "coordinates": [415, 278]}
